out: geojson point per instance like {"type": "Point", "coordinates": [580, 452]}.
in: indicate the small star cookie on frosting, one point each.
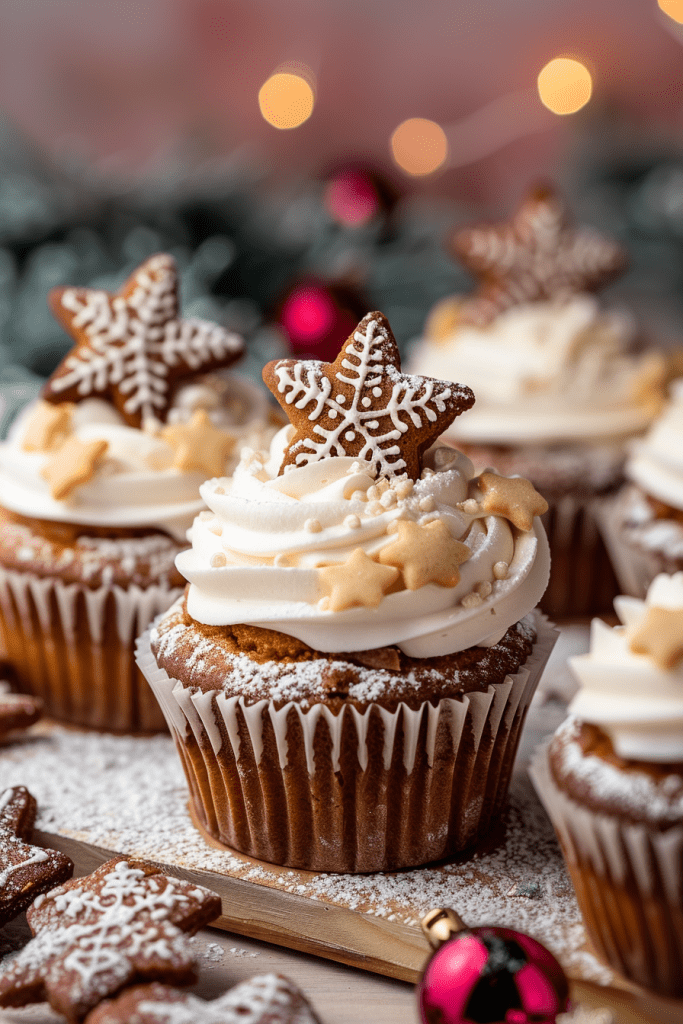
{"type": "Point", "coordinates": [26, 871]}
{"type": "Point", "coordinates": [199, 445]}
{"type": "Point", "coordinates": [535, 256]}
{"type": "Point", "coordinates": [132, 347]}
{"type": "Point", "coordinates": [362, 405]}
{"type": "Point", "coordinates": [263, 999]}
{"type": "Point", "coordinates": [660, 636]}
{"type": "Point", "coordinates": [426, 553]}
{"type": "Point", "coordinates": [48, 427]}
{"type": "Point", "coordinates": [93, 935]}
{"type": "Point", "coordinates": [73, 465]}
{"type": "Point", "coordinates": [359, 581]}
{"type": "Point", "coordinates": [513, 497]}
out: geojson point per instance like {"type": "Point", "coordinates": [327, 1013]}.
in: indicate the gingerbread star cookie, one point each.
{"type": "Point", "coordinates": [425, 554]}
{"type": "Point", "coordinates": [121, 924]}
{"type": "Point", "coordinates": [263, 999]}
{"type": "Point", "coordinates": [48, 427]}
{"type": "Point", "coordinates": [362, 405]}
{"type": "Point", "coordinates": [72, 465]}
{"type": "Point", "coordinates": [357, 582]}
{"type": "Point", "coordinates": [199, 445]}
{"type": "Point", "coordinates": [512, 497]}
{"type": "Point", "coordinates": [17, 710]}
{"type": "Point", "coordinates": [535, 256]}
{"type": "Point", "coordinates": [660, 636]}
{"type": "Point", "coordinates": [131, 347]}
{"type": "Point", "coordinates": [26, 871]}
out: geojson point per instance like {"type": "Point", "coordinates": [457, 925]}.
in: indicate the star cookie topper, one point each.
{"type": "Point", "coordinates": [660, 636]}
{"type": "Point", "coordinates": [362, 405]}
{"type": "Point", "coordinates": [122, 924]}
{"type": "Point", "coordinates": [132, 347]}
{"type": "Point", "coordinates": [537, 255]}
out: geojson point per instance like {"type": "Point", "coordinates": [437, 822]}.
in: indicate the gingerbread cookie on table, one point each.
{"type": "Point", "coordinates": [263, 999]}
{"type": "Point", "coordinates": [125, 922]}
{"type": "Point", "coordinates": [26, 871]}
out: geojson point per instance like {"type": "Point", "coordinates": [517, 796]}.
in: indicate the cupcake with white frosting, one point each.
{"type": "Point", "coordinates": [98, 486]}
{"type": "Point", "coordinates": [643, 524]}
{"type": "Point", "coordinates": [560, 389]}
{"type": "Point", "coordinates": [349, 671]}
{"type": "Point", "coordinates": [612, 783]}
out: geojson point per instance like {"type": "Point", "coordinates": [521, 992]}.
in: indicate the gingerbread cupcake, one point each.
{"type": "Point", "coordinates": [348, 673]}
{"type": "Point", "coordinates": [559, 388]}
{"type": "Point", "coordinates": [612, 783]}
{"type": "Point", "coordinates": [98, 486]}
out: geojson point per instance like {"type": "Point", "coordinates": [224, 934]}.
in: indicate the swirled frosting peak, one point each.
{"type": "Point", "coordinates": [656, 461]}
{"type": "Point", "coordinates": [346, 559]}
{"type": "Point", "coordinates": [632, 677]}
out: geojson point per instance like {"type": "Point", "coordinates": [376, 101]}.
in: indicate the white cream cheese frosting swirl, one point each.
{"type": "Point", "coordinates": [136, 484]}
{"type": "Point", "coordinates": [255, 556]}
{"type": "Point", "coordinates": [635, 701]}
{"type": "Point", "coordinates": [656, 461]}
{"type": "Point", "coordinates": [548, 372]}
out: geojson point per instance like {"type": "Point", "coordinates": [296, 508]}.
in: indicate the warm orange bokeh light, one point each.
{"type": "Point", "coordinates": [419, 146]}
{"type": "Point", "coordinates": [286, 100]}
{"type": "Point", "coordinates": [564, 85]}
{"type": "Point", "coordinates": [674, 8]}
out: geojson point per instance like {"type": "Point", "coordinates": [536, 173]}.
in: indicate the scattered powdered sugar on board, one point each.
{"type": "Point", "coordinates": [128, 795]}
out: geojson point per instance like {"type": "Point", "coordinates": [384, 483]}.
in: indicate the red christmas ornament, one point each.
{"type": "Point", "coordinates": [488, 975]}
{"type": "Point", "coordinates": [351, 197]}
{"type": "Point", "coordinates": [317, 318]}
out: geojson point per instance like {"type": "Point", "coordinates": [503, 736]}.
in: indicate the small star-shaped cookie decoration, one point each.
{"type": "Point", "coordinates": [132, 347]}
{"type": "Point", "coordinates": [17, 710]}
{"type": "Point", "coordinates": [359, 581]}
{"type": "Point", "coordinates": [660, 636]}
{"type": "Point", "coordinates": [426, 553]}
{"type": "Point", "coordinates": [199, 445]}
{"type": "Point", "coordinates": [48, 427]}
{"type": "Point", "coordinates": [535, 256]}
{"type": "Point", "coordinates": [26, 871]}
{"type": "Point", "coordinates": [513, 497]}
{"type": "Point", "coordinates": [263, 999]}
{"type": "Point", "coordinates": [72, 465]}
{"type": "Point", "coordinates": [93, 935]}
{"type": "Point", "coordinates": [362, 405]}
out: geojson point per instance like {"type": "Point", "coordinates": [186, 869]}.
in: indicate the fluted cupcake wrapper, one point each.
{"type": "Point", "coordinates": [635, 566]}
{"type": "Point", "coordinates": [75, 648]}
{"type": "Point", "coordinates": [366, 789]}
{"type": "Point", "coordinates": [629, 885]}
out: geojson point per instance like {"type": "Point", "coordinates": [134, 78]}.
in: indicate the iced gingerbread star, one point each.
{"type": "Point", "coordinates": [263, 999]}
{"type": "Point", "coordinates": [26, 871]}
{"type": "Point", "coordinates": [48, 427]}
{"type": "Point", "coordinates": [362, 405]}
{"type": "Point", "coordinates": [660, 636]}
{"type": "Point", "coordinates": [537, 255]}
{"type": "Point", "coordinates": [72, 465]}
{"type": "Point", "coordinates": [131, 347]}
{"type": "Point", "coordinates": [357, 582]}
{"type": "Point", "coordinates": [425, 553]}
{"type": "Point", "coordinates": [121, 924]}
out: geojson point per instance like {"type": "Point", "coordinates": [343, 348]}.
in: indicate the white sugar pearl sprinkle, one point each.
{"type": "Point", "coordinates": [375, 509]}
{"type": "Point", "coordinates": [218, 560]}
{"type": "Point", "coordinates": [471, 506]}
{"type": "Point", "coordinates": [388, 499]}
{"type": "Point", "coordinates": [312, 525]}
{"type": "Point", "coordinates": [404, 488]}
{"type": "Point", "coordinates": [483, 589]}
{"type": "Point", "coordinates": [359, 496]}
{"type": "Point", "coordinates": [373, 492]}
{"type": "Point", "coordinates": [471, 600]}
{"type": "Point", "coordinates": [500, 570]}
{"type": "Point", "coordinates": [426, 473]}
{"type": "Point", "coordinates": [427, 504]}
{"type": "Point", "coordinates": [352, 522]}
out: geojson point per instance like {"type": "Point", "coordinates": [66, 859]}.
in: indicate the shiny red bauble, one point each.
{"type": "Point", "coordinates": [492, 975]}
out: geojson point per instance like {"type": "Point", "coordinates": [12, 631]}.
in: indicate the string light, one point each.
{"type": "Point", "coordinates": [419, 146]}
{"type": "Point", "coordinates": [286, 99]}
{"type": "Point", "coordinates": [673, 8]}
{"type": "Point", "coordinates": [564, 85]}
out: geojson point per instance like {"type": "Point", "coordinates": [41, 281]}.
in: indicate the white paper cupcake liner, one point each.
{"type": "Point", "coordinates": [74, 647]}
{"type": "Point", "coordinates": [362, 790]}
{"type": "Point", "coordinates": [635, 566]}
{"type": "Point", "coordinates": [629, 884]}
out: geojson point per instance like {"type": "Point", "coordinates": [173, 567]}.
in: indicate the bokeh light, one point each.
{"type": "Point", "coordinates": [419, 146]}
{"type": "Point", "coordinates": [351, 198]}
{"type": "Point", "coordinates": [308, 314]}
{"type": "Point", "coordinates": [286, 100]}
{"type": "Point", "coordinates": [565, 85]}
{"type": "Point", "coordinates": [674, 8]}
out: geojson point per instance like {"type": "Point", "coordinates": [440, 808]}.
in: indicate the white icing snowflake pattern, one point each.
{"type": "Point", "coordinates": [133, 345]}
{"type": "Point", "coordinates": [362, 405]}
{"type": "Point", "coordinates": [263, 999]}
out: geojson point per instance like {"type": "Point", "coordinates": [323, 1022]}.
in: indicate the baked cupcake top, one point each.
{"type": "Point", "coordinates": [121, 435]}
{"type": "Point", "coordinates": [547, 363]}
{"type": "Point", "coordinates": [632, 677]}
{"type": "Point", "coordinates": [357, 530]}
